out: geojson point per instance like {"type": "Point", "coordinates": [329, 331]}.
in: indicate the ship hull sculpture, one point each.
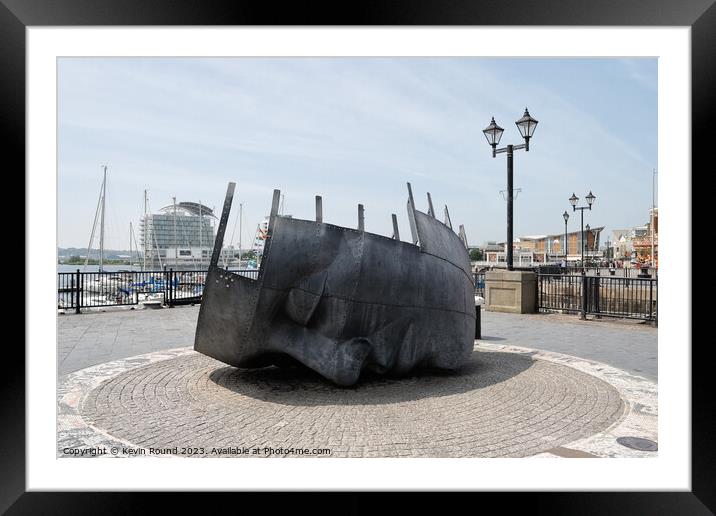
{"type": "Point", "coordinates": [342, 300]}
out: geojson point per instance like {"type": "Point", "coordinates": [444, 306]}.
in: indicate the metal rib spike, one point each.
{"type": "Point", "coordinates": [219, 241]}
{"type": "Point", "coordinates": [431, 211]}
{"type": "Point", "coordinates": [463, 236]}
{"type": "Point", "coordinates": [411, 215]}
{"type": "Point", "coordinates": [319, 209]}
{"type": "Point", "coordinates": [448, 222]}
{"type": "Point", "coordinates": [361, 218]}
{"type": "Point", "coordinates": [275, 203]}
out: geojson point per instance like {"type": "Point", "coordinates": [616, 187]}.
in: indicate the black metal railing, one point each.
{"type": "Point", "coordinates": [590, 270]}
{"type": "Point", "coordinates": [608, 296]}
{"type": "Point", "coordinates": [618, 272]}
{"type": "Point", "coordinates": [78, 290]}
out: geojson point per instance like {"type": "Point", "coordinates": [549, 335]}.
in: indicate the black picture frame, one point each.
{"type": "Point", "coordinates": [16, 15]}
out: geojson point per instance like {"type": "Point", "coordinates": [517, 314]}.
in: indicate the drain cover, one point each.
{"type": "Point", "coordinates": [638, 443]}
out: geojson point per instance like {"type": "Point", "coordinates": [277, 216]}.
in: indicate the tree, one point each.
{"type": "Point", "coordinates": [475, 255]}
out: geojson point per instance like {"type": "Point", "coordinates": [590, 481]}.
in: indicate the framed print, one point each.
{"type": "Point", "coordinates": [254, 287]}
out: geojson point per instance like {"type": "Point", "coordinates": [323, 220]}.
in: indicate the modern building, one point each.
{"type": "Point", "coordinates": [180, 235]}
{"type": "Point", "coordinates": [540, 249]}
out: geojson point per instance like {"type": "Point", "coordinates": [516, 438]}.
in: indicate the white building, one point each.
{"type": "Point", "coordinates": [180, 235]}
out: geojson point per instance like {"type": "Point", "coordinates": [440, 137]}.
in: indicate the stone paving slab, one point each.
{"type": "Point", "coordinates": [640, 418]}
{"type": "Point", "coordinates": [96, 337]}
{"type": "Point", "coordinates": [508, 402]}
{"type": "Point", "coordinates": [93, 338]}
{"type": "Point", "coordinates": [625, 344]}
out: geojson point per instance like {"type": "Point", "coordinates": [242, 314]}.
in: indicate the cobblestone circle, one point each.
{"type": "Point", "coordinates": [498, 405]}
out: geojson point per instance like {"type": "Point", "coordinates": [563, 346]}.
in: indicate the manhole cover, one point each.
{"type": "Point", "coordinates": [638, 443]}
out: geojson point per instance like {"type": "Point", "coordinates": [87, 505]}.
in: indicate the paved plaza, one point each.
{"type": "Point", "coordinates": [93, 338]}
{"type": "Point", "coordinates": [541, 385]}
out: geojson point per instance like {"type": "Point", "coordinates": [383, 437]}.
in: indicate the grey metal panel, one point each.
{"type": "Point", "coordinates": [437, 239]}
{"type": "Point", "coordinates": [341, 301]}
{"type": "Point", "coordinates": [225, 317]}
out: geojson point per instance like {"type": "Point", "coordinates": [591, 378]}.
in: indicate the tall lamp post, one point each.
{"type": "Point", "coordinates": [651, 225]}
{"type": "Point", "coordinates": [573, 201]}
{"type": "Point", "coordinates": [493, 133]}
{"type": "Point", "coordinates": [566, 244]}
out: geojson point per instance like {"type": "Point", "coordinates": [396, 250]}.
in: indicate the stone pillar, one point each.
{"type": "Point", "coordinates": [511, 291]}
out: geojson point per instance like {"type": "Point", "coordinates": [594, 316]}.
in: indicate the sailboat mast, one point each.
{"type": "Point", "coordinates": [130, 246]}
{"type": "Point", "coordinates": [201, 240]}
{"type": "Point", "coordinates": [241, 219]}
{"type": "Point", "coordinates": [101, 228]}
{"type": "Point", "coordinates": [136, 246]}
{"type": "Point", "coordinates": [94, 225]}
{"type": "Point", "coordinates": [176, 246]}
{"type": "Point", "coordinates": [146, 230]}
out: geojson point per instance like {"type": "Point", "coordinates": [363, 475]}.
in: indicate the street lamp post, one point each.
{"type": "Point", "coordinates": [573, 201]}
{"type": "Point", "coordinates": [493, 133]}
{"type": "Point", "coordinates": [651, 225]}
{"type": "Point", "coordinates": [566, 244]}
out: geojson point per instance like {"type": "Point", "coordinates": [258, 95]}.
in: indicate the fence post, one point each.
{"type": "Point", "coordinates": [171, 287]}
{"type": "Point", "coordinates": [165, 286]}
{"type": "Point", "coordinates": [596, 295]}
{"type": "Point", "coordinates": [77, 292]}
{"type": "Point", "coordinates": [583, 311]}
{"type": "Point", "coordinates": [651, 302]}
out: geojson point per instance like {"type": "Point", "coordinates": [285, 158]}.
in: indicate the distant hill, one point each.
{"type": "Point", "coordinates": [110, 254]}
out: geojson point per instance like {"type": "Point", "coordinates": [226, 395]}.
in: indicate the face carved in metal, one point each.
{"type": "Point", "coordinates": [341, 300]}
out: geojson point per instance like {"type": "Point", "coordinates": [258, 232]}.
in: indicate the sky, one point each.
{"type": "Point", "coordinates": [355, 130]}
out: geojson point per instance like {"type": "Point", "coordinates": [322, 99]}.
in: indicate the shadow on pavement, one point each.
{"type": "Point", "coordinates": [300, 386]}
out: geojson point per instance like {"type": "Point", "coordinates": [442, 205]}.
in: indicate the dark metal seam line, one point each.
{"type": "Point", "coordinates": [472, 280]}
{"type": "Point", "coordinates": [343, 298]}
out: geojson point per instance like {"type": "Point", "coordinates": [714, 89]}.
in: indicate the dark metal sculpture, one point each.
{"type": "Point", "coordinates": [341, 300]}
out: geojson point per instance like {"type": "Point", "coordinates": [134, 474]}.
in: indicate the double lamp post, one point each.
{"type": "Point", "coordinates": [493, 133]}
{"type": "Point", "coordinates": [573, 201]}
{"type": "Point", "coordinates": [527, 126]}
